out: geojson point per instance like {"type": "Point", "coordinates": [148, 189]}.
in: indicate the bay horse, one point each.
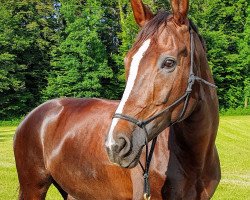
{"type": "Point", "coordinates": [90, 148]}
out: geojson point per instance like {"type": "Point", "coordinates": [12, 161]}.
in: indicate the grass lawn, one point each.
{"type": "Point", "coordinates": [233, 143]}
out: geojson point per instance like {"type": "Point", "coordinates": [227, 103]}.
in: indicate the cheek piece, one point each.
{"type": "Point", "coordinates": [142, 123]}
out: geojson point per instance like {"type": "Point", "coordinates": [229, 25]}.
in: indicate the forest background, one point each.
{"type": "Point", "coordinates": [75, 48]}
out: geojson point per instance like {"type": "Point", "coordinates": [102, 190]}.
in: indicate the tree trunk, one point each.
{"type": "Point", "coordinates": [246, 102]}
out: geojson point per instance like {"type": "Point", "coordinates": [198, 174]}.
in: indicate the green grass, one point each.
{"type": "Point", "coordinates": [233, 143]}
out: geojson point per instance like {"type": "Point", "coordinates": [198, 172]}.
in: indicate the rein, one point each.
{"type": "Point", "coordinates": [143, 123]}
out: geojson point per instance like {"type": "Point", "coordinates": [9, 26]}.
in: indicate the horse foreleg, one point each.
{"type": "Point", "coordinates": [33, 177]}
{"type": "Point", "coordinates": [33, 189]}
{"type": "Point", "coordinates": [29, 192]}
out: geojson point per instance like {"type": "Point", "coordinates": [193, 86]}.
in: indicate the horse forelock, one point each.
{"type": "Point", "coordinates": [152, 28]}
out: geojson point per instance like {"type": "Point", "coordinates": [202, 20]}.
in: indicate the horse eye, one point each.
{"type": "Point", "coordinates": [168, 64]}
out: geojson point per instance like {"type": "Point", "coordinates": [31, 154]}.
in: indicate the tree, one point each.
{"type": "Point", "coordinates": [94, 37]}
{"type": "Point", "coordinates": [80, 62]}
{"type": "Point", "coordinates": [244, 46]}
{"type": "Point", "coordinates": [27, 33]}
{"type": "Point", "coordinates": [221, 22]}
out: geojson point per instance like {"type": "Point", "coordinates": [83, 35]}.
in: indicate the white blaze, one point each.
{"type": "Point", "coordinates": [129, 86]}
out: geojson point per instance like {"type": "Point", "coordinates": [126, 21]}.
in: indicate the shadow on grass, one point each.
{"type": "Point", "coordinates": [8, 131]}
{"type": "Point", "coordinates": [5, 137]}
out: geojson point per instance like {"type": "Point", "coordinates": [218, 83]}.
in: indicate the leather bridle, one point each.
{"type": "Point", "coordinates": [142, 123]}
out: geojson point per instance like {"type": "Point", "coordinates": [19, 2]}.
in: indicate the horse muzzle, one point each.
{"type": "Point", "coordinates": [125, 152]}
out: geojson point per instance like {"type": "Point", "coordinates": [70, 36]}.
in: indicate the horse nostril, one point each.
{"type": "Point", "coordinates": [123, 146]}
{"type": "Point", "coordinates": [121, 143]}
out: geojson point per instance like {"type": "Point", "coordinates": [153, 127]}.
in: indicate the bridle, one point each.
{"type": "Point", "coordinates": [142, 123]}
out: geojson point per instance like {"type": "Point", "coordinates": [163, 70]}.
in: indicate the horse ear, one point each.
{"type": "Point", "coordinates": [180, 10]}
{"type": "Point", "coordinates": [141, 12]}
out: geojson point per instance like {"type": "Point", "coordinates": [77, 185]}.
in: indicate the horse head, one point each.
{"type": "Point", "coordinates": [158, 74]}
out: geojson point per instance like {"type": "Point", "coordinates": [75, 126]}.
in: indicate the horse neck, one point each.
{"type": "Point", "coordinates": [194, 137]}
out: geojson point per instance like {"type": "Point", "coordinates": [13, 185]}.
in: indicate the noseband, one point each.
{"type": "Point", "coordinates": [142, 123]}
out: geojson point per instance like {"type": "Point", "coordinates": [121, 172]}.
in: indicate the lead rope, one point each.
{"type": "Point", "coordinates": [149, 155]}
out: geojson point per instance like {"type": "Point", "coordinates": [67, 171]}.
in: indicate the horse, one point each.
{"type": "Point", "coordinates": [169, 83]}
{"type": "Point", "coordinates": [90, 148]}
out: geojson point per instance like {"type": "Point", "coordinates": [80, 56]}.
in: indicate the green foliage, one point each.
{"type": "Point", "coordinates": [222, 23]}
{"type": "Point", "coordinates": [126, 36]}
{"type": "Point", "coordinates": [109, 36]}
{"type": "Point", "coordinates": [80, 62]}
{"type": "Point", "coordinates": [12, 122]}
{"type": "Point", "coordinates": [235, 111]}
{"type": "Point", "coordinates": [76, 48]}
{"type": "Point", "coordinates": [27, 33]}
